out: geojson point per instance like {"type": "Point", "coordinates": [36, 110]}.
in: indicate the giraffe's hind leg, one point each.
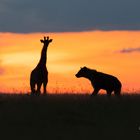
{"type": "Point", "coordinates": [32, 82]}
{"type": "Point", "coordinates": [32, 86]}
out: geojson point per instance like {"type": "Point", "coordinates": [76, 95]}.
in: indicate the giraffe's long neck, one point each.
{"type": "Point", "coordinates": [43, 58]}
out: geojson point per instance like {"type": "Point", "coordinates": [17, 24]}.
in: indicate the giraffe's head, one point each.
{"type": "Point", "coordinates": [46, 41]}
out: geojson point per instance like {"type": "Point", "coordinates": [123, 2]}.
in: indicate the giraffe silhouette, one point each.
{"type": "Point", "coordinates": [39, 75]}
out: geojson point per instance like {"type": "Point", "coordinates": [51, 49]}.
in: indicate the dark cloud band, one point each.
{"type": "Point", "coordinates": [68, 15]}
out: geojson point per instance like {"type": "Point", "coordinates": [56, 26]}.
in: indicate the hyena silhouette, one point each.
{"type": "Point", "coordinates": [101, 80]}
{"type": "Point", "coordinates": [39, 75]}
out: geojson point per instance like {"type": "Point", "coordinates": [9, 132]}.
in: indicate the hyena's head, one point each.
{"type": "Point", "coordinates": [83, 72]}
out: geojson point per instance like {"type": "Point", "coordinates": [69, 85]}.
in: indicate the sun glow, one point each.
{"type": "Point", "coordinates": [101, 50]}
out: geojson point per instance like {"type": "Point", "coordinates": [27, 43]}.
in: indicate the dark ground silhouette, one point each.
{"type": "Point", "coordinates": [69, 117]}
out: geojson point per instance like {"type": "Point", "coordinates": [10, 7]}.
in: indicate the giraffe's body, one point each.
{"type": "Point", "coordinates": [39, 75]}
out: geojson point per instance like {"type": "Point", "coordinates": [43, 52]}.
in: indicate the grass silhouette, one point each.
{"type": "Point", "coordinates": [69, 116]}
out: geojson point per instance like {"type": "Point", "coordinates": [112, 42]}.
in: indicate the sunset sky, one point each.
{"type": "Point", "coordinates": [103, 35]}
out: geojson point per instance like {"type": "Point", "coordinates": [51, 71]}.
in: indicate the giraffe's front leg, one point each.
{"type": "Point", "coordinates": [44, 87]}
{"type": "Point", "coordinates": [45, 81]}
{"type": "Point", "coordinates": [38, 88]}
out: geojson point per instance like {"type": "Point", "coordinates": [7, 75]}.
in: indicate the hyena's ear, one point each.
{"type": "Point", "coordinates": [94, 70]}
{"type": "Point", "coordinates": [82, 68]}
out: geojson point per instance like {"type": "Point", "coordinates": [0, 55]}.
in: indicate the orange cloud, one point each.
{"type": "Point", "coordinates": [1, 71]}
{"type": "Point", "coordinates": [130, 50]}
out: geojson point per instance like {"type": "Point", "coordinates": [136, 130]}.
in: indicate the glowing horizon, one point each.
{"type": "Point", "coordinates": [112, 52]}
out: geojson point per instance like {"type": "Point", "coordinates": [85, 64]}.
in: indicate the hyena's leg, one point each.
{"type": "Point", "coordinates": [95, 92]}
{"type": "Point", "coordinates": [117, 92]}
{"type": "Point", "coordinates": [109, 93]}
